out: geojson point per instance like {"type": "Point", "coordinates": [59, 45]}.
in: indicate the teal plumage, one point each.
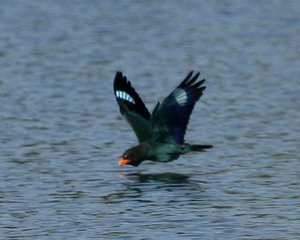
{"type": "Point", "coordinates": [160, 135]}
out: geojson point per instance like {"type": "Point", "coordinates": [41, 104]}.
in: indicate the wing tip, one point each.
{"type": "Point", "coordinates": [118, 79]}
{"type": "Point", "coordinates": [119, 75]}
{"type": "Point", "coordinates": [191, 81]}
{"type": "Point", "coordinates": [121, 81]}
{"type": "Point", "coordinates": [129, 97]}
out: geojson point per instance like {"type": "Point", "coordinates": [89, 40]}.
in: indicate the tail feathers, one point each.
{"type": "Point", "coordinates": [199, 147]}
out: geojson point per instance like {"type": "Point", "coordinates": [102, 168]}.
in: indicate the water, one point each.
{"type": "Point", "coordinates": [61, 132]}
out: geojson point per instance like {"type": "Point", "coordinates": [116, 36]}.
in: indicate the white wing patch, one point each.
{"type": "Point", "coordinates": [125, 96]}
{"type": "Point", "coordinates": [180, 96]}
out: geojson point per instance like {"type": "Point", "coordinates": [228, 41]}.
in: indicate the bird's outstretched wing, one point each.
{"type": "Point", "coordinates": [170, 118]}
{"type": "Point", "coordinates": [132, 107]}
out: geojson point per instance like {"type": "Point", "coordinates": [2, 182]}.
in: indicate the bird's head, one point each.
{"type": "Point", "coordinates": [133, 156]}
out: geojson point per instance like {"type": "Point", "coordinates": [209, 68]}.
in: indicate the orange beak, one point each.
{"type": "Point", "coordinates": [124, 161]}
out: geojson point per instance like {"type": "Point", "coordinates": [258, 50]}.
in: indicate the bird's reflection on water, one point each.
{"type": "Point", "coordinates": [168, 180]}
{"type": "Point", "coordinates": [168, 177]}
{"type": "Point", "coordinates": [139, 185]}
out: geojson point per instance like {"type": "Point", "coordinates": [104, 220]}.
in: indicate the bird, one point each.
{"type": "Point", "coordinates": [160, 134]}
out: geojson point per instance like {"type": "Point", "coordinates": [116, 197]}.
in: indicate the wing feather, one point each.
{"type": "Point", "coordinates": [171, 117]}
{"type": "Point", "coordinates": [132, 107]}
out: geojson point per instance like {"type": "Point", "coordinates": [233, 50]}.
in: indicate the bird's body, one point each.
{"type": "Point", "coordinates": [160, 134]}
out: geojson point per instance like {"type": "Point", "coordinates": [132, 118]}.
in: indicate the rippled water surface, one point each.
{"type": "Point", "coordinates": [61, 133]}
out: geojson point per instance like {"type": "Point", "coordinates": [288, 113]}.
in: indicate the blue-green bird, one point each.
{"type": "Point", "coordinates": [160, 134]}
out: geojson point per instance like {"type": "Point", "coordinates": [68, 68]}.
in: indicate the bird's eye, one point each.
{"type": "Point", "coordinates": [125, 156]}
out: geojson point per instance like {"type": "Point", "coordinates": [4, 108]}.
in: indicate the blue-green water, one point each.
{"type": "Point", "coordinates": [61, 132]}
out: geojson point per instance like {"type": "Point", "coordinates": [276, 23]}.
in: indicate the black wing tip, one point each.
{"type": "Point", "coordinates": [195, 77]}
{"type": "Point", "coordinates": [122, 84]}
{"type": "Point", "coordinates": [119, 75]}
{"type": "Point", "coordinates": [121, 81]}
{"type": "Point", "coordinates": [118, 79]}
{"type": "Point", "coordinates": [198, 84]}
{"type": "Point", "coordinates": [191, 82]}
{"type": "Point", "coordinates": [194, 85]}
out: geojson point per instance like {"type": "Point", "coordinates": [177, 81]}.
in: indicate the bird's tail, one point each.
{"type": "Point", "coordinates": [198, 147]}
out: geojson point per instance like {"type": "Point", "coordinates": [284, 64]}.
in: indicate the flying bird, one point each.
{"type": "Point", "coordinates": [160, 134]}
